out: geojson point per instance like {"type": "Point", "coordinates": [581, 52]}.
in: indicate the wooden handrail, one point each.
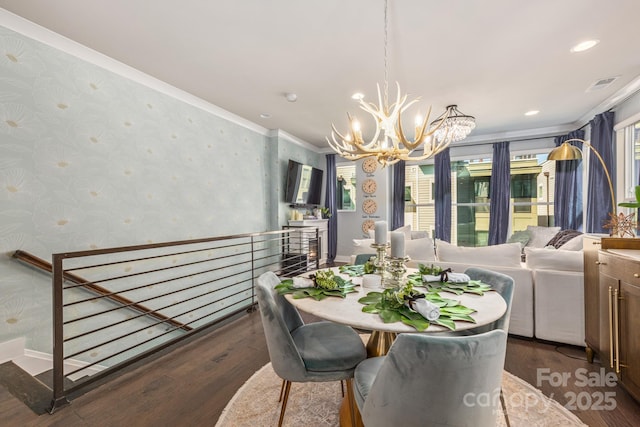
{"type": "Point", "coordinates": [41, 264]}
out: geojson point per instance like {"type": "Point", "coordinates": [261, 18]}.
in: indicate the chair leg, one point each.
{"type": "Point", "coordinates": [287, 387]}
{"type": "Point", "coordinates": [352, 402]}
{"type": "Point", "coordinates": [342, 387]}
{"type": "Point", "coordinates": [281, 390]}
{"type": "Point", "coordinates": [504, 409]}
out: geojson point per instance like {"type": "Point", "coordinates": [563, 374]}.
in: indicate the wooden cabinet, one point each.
{"type": "Point", "coordinates": [593, 300]}
{"type": "Point", "coordinates": [591, 246]}
{"type": "Point", "coordinates": [619, 314]}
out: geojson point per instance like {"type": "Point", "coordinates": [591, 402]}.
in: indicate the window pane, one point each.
{"type": "Point", "coordinates": [419, 211]}
{"type": "Point", "coordinates": [525, 171]}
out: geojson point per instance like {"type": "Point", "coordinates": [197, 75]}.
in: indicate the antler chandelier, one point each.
{"type": "Point", "coordinates": [389, 143]}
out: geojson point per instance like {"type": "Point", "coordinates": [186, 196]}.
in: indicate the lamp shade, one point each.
{"type": "Point", "coordinates": [565, 152]}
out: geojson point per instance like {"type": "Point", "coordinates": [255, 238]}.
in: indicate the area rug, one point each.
{"type": "Point", "coordinates": [318, 404]}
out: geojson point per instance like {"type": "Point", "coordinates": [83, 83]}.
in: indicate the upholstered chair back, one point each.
{"type": "Point", "coordinates": [279, 319]}
{"type": "Point", "coordinates": [502, 284]}
{"type": "Point", "coordinates": [428, 380]}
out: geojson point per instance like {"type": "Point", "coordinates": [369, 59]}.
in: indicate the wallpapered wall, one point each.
{"type": "Point", "coordinates": [90, 159]}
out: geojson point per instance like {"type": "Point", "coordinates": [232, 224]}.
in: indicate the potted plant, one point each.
{"type": "Point", "coordinates": [326, 214]}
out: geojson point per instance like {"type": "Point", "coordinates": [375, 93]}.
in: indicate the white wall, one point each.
{"type": "Point", "coordinates": [91, 158]}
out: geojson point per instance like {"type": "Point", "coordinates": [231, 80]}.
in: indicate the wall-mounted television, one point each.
{"type": "Point", "coordinates": [304, 184]}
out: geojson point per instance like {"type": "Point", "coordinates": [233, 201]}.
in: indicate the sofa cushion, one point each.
{"type": "Point", "coordinates": [562, 237]}
{"type": "Point", "coordinates": [554, 259]}
{"type": "Point", "coordinates": [418, 249]}
{"type": "Point", "coordinates": [540, 236]}
{"type": "Point", "coordinates": [362, 246]}
{"type": "Point", "coordinates": [506, 255]}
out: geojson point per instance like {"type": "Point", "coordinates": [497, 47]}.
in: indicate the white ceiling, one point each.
{"type": "Point", "coordinates": [496, 59]}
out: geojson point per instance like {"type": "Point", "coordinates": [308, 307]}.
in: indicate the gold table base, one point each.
{"type": "Point", "coordinates": [379, 343]}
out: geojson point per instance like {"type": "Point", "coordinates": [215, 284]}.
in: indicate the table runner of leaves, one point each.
{"type": "Point", "coordinates": [390, 305]}
{"type": "Point", "coordinates": [358, 269]}
{"type": "Point", "coordinates": [327, 284]}
{"type": "Point", "coordinates": [415, 279]}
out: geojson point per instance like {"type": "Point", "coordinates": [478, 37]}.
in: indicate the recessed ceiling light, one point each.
{"type": "Point", "coordinates": [531, 112]}
{"type": "Point", "coordinates": [357, 96]}
{"type": "Point", "coordinates": [581, 47]}
{"type": "Point", "coordinates": [265, 115]}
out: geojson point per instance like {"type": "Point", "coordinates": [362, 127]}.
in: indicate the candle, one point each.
{"type": "Point", "coordinates": [397, 244]}
{"type": "Point", "coordinates": [381, 232]}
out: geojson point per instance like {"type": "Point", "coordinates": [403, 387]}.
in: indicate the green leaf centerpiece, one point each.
{"type": "Point", "coordinates": [326, 284]}
{"type": "Point", "coordinates": [358, 269]}
{"type": "Point", "coordinates": [390, 305]}
{"type": "Point", "coordinates": [472, 286]}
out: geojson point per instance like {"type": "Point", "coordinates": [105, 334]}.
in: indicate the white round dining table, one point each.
{"type": "Point", "coordinates": [348, 311]}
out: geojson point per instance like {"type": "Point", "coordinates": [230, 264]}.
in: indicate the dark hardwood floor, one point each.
{"type": "Point", "coordinates": [191, 385]}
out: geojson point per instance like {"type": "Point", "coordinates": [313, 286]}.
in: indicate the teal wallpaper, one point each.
{"type": "Point", "coordinates": [91, 159]}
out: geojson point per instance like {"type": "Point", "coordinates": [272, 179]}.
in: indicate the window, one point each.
{"type": "Point", "coordinates": [631, 137]}
{"type": "Point", "coordinates": [532, 179]}
{"type": "Point", "coordinates": [346, 187]}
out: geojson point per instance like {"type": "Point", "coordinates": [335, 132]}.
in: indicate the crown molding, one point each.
{"type": "Point", "coordinates": [80, 51]}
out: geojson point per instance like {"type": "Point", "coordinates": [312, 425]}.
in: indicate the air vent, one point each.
{"type": "Point", "coordinates": [602, 83]}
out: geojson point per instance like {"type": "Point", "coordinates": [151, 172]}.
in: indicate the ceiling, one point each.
{"type": "Point", "coordinates": [495, 59]}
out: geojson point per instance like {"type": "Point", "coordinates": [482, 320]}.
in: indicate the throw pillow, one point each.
{"type": "Point", "coordinates": [554, 259]}
{"type": "Point", "coordinates": [574, 244]}
{"type": "Point", "coordinates": [540, 236]}
{"type": "Point", "coordinates": [521, 237]}
{"type": "Point", "coordinates": [505, 255]}
{"type": "Point", "coordinates": [419, 235]}
{"type": "Point", "coordinates": [562, 237]}
{"type": "Point", "coordinates": [420, 249]}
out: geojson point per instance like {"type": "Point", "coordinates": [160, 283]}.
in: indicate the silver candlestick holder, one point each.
{"type": "Point", "coordinates": [395, 272]}
{"type": "Point", "coordinates": [381, 255]}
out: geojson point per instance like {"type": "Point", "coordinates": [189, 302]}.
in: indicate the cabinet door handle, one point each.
{"type": "Point", "coordinates": [595, 243]}
{"type": "Point", "coordinates": [598, 263]}
{"type": "Point", "coordinates": [636, 275]}
{"type": "Point", "coordinates": [610, 327]}
{"type": "Point", "coordinates": [616, 319]}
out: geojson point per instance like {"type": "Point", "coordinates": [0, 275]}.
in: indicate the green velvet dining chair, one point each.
{"type": "Point", "coordinates": [363, 258]}
{"type": "Point", "coordinates": [431, 380]}
{"type": "Point", "coordinates": [502, 284]}
{"type": "Point", "coordinates": [299, 352]}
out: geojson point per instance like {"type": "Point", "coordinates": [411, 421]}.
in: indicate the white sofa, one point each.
{"type": "Point", "coordinates": [548, 299]}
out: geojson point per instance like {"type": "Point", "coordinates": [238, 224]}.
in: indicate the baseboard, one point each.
{"type": "Point", "coordinates": [11, 349]}
{"type": "Point", "coordinates": [343, 258]}
{"type": "Point", "coordinates": [36, 362]}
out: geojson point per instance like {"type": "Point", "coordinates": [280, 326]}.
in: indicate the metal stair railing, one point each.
{"type": "Point", "coordinates": [113, 307]}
